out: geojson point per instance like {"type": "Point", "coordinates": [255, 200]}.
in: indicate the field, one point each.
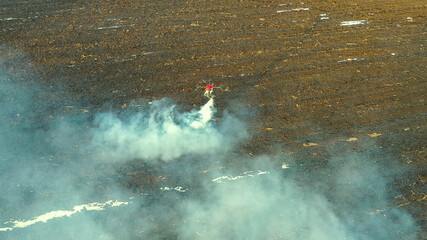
{"type": "Point", "coordinates": [309, 80]}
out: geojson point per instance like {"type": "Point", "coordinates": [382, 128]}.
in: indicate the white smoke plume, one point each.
{"type": "Point", "coordinates": [54, 170]}
{"type": "Point", "coordinates": [349, 203]}
{"type": "Point", "coordinates": [162, 132]}
{"type": "Point", "coordinates": [267, 208]}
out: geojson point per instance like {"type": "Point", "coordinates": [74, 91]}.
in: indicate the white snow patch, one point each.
{"type": "Point", "coordinates": [351, 59]}
{"type": "Point", "coordinates": [95, 206]}
{"type": "Point", "coordinates": [285, 166]}
{"type": "Point", "coordinates": [109, 27]}
{"type": "Point", "coordinates": [244, 175]}
{"type": "Point", "coordinates": [292, 10]}
{"type": "Point", "coordinates": [16, 18]}
{"type": "Point", "coordinates": [350, 23]}
{"type": "Point", "coordinates": [178, 189]}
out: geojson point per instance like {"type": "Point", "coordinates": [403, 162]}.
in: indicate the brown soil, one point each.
{"type": "Point", "coordinates": [310, 81]}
